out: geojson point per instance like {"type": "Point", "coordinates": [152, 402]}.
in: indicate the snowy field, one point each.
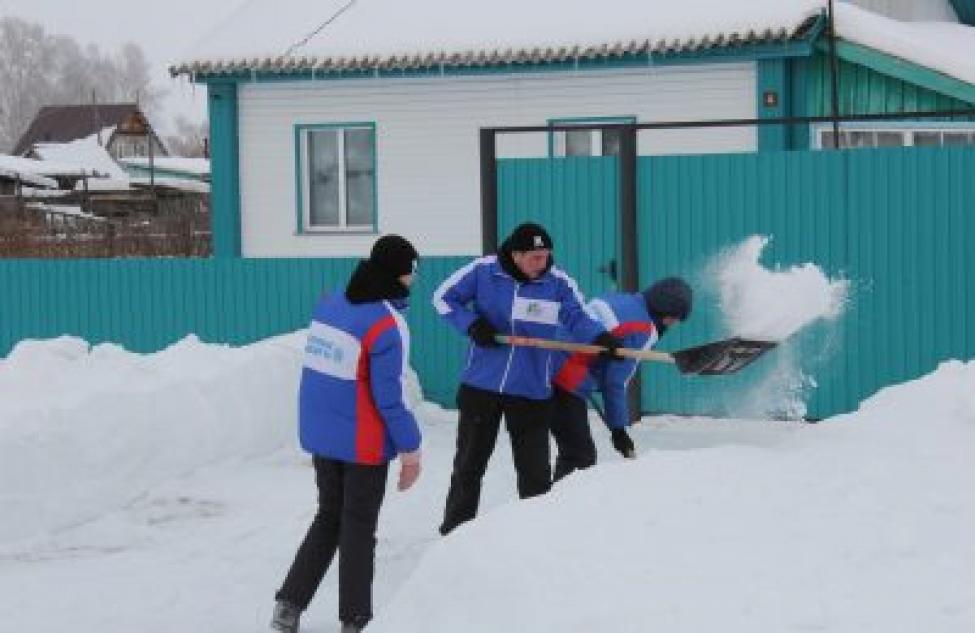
{"type": "Point", "coordinates": [165, 492]}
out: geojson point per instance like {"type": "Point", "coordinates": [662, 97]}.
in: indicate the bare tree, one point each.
{"type": "Point", "coordinates": [23, 58]}
{"type": "Point", "coordinates": [133, 81]}
{"type": "Point", "coordinates": [38, 69]}
{"type": "Point", "coordinates": [189, 139]}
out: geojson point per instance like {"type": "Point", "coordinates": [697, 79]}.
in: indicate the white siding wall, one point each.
{"type": "Point", "coordinates": [427, 141]}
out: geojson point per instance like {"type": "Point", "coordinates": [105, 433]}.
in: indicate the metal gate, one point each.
{"type": "Point", "coordinates": [898, 223]}
{"type": "Point", "coordinates": [576, 199]}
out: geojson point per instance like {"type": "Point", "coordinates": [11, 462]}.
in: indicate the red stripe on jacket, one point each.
{"type": "Point", "coordinates": [370, 431]}
{"type": "Point", "coordinates": [574, 371]}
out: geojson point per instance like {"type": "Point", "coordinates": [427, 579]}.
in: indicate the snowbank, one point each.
{"type": "Point", "coordinates": [861, 523]}
{"type": "Point", "coordinates": [135, 484]}
{"type": "Point", "coordinates": [85, 429]}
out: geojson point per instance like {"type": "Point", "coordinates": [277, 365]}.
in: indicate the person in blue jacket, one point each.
{"type": "Point", "coordinates": [517, 291]}
{"type": "Point", "coordinates": [639, 320]}
{"type": "Point", "coordinates": [354, 420]}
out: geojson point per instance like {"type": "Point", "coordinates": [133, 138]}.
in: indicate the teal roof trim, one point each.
{"type": "Point", "coordinates": [965, 10]}
{"type": "Point", "coordinates": [903, 70]}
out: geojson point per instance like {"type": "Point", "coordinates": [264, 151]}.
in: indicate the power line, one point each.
{"type": "Point", "coordinates": [321, 26]}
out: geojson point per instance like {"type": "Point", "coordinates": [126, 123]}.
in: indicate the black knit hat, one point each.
{"type": "Point", "coordinates": [394, 254]}
{"type": "Point", "coordinates": [669, 297]}
{"type": "Point", "coordinates": [528, 237]}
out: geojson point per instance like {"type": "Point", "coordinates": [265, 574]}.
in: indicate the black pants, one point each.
{"type": "Point", "coordinates": [570, 427]}
{"type": "Point", "coordinates": [477, 433]}
{"type": "Point", "coordinates": [349, 497]}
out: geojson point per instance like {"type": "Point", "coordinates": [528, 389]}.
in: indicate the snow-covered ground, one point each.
{"type": "Point", "coordinates": [165, 492]}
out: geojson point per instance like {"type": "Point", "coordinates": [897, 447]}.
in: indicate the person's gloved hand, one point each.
{"type": "Point", "coordinates": [611, 343]}
{"type": "Point", "coordinates": [409, 470]}
{"type": "Point", "coordinates": [623, 443]}
{"type": "Point", "coordinates": [482, 333]}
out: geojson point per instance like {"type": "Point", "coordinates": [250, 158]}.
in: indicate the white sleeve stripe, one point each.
{"type": "Point", "coordinates": [438, 301]}
{"type": "Point", "coordinates": [604, 314]}
{"type": "Point", "coordinates": [573, 286]}
{"type": "Point", "coordinates": [404, 335]}
{"type": "Point", "coordinates": [651, 341]}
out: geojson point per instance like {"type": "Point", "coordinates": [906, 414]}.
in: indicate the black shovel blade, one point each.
{"type": "Point", "coordinates": [720, 357]}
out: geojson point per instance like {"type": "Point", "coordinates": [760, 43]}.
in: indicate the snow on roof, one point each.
{"type": "Point", "coordinates": [912, 10]}
{"type": "Point", "coordinates": [103, 184]}
{"type": "Point", "coordinates": [288, 35]}
{"type": "Point", "coordinates": [197, 166]}
{"type": "Point", "coordinates": [338, 34]}
{"type": "Point", "coordinates": [15, 168]}
{"type": "Point", "coordinates": [39, 167]}
{"type": "Point", "coordinates": [33, 192]}
{"type": "Point", "coordinates": [86, 153]}
{"type": "Point", "coordinates": [946, 47]}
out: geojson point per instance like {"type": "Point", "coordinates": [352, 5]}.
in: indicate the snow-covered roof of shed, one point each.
{"type": "Point", "coordinates": [86, 153]}
{"type": "Point", "coordinates": [40, 167]}
{"type": "Point", "coordinates": [291, 35]}
{"type": "Point", "coordinates": [23, 169]}
{"type": "Point", "coordinates": [946, 47]}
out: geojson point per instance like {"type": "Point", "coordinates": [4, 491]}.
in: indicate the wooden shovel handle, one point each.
{"type": "Point", "coordinates": [565, 346]}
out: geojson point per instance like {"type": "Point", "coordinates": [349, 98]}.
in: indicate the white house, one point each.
{"type": "Point", "coordinates": [334, 121]}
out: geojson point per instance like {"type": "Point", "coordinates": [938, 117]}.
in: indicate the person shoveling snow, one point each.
{"type": "Point", "coordinates": [639, 320]}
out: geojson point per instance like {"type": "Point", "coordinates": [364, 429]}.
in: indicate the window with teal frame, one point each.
{"type": "Point", "coordinates": [854, 134]}
{"type": "Point", "coordinates": [336, 177]}
{"type": "Point", "coordinates": [586, 142]}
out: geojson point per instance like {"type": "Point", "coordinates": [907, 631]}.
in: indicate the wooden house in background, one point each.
{"type": "Point", "coordinates": [122, 129]}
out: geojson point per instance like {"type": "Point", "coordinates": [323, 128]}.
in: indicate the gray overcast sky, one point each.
{"type": "Point", "coordinates": [165, 29]}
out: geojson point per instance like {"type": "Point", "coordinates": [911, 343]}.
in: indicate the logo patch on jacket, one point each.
{"type": "Point", "coordinates": [331, 351]}
{"type": "Point", "coordinates": [536, 310]}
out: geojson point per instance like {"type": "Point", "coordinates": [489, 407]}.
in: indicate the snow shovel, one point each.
{"type": "Point", "coordinates": [711, 359]}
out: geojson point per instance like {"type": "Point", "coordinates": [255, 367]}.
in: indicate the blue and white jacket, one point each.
{"type": "Point", "coordinates": [626, 317]}
{"type": "Point", "coordinates": [352, 404]}
{"type": "Point", "coordinates": [531, 308]}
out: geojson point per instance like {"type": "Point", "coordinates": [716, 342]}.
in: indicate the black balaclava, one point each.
{"type": "Point", "coordinates": [377, 278]}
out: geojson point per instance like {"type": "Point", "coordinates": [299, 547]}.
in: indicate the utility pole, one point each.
{"type": "Point", "coordinates": [834, 81]}
{"type": "Point", "coordinates": [152, 169]}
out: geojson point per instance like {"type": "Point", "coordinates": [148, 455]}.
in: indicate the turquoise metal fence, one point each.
{"type": "Point", "coordinates": [437, 350]}
{"type": "Point", "coordinates": [147, 304]}
{"type": "Point", "coordinates": [896, 223]}
{"type": "Point", "coordinates": [691, 208]}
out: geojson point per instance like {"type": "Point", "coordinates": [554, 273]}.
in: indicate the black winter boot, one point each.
{"type": "Point", "coordinates": [355, 625]}
{"type": "Point", "coordinates": [285, 618]}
